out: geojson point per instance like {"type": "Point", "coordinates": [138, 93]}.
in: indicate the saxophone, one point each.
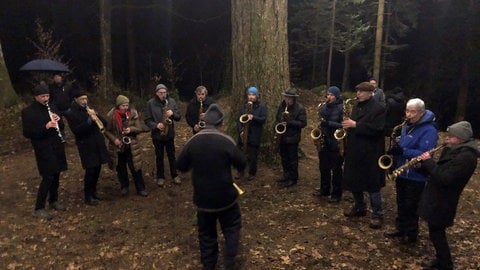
{"type": "Point", "coordinates": [317, 135]}
{"type": "Point", "coordinates": [280, 128]}
{"type": "Point", "coordinates": [341, 133]}
{"type": "Point", "coordinates": [385, 162]}
{"type": "Point", "coordinates": [201, 122]}
{"type": "Point", "coordinates": [246, 122]}
{"type": "Point", "coordinates": [167, 122]}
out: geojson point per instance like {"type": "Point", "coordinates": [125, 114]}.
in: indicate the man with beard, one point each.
{"type": "Point", "coordinates": [41, 124]}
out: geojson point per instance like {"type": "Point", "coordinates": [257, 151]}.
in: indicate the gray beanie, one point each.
{"type": "Point", "coordinates": [461, 130]}
{"type": "Point", "coordinates": [160, 86]}
{"type": "Point", "coordinates": [214, 115]}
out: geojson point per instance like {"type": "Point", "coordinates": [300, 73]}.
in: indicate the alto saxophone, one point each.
{"type": "Point", "coordinates": [341, 133]}
{"type": "Point", "coordinates": [385, 162]}
{"type": "Point", "coordinates": [167, 122]}
{"type": "Point", "coordinates": [280, 128]}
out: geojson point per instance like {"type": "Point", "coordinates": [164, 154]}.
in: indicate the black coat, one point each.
{"type": "Point", "coordinates": [332, 114]}
{"type": "Point", "coordinates": [193, 110]}
{"type": "Point", "coordinates": [255, 127]}
{"type": "Point", "coordinates": [364, 145]}
{"type": "Point", "coordinates": [90, 141]}
{"type": "Point", "coordinates": [448, 177]}
{"type": "Point", "coordinates": [49, 150]}
{"type": "Point", "coordinates": [296, 120]}
{"type": "Point", "coordinates": [210, 154]}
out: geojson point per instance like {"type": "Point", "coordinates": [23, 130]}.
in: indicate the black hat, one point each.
{"type": "Point", "coordinates": [214, 115]}
{"type": "Point", "coordinates": [80, 93]}
{"type": "Point", "coordinates": [40, 89]}
{"type": "Point", "coordinates": [291, 92]}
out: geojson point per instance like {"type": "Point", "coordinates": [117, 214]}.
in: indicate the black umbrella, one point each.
{"type": "Point", "coordinates": [46, 65]}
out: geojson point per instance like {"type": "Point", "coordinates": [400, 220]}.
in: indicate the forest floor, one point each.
{"type": "Point", "coordinates": [282, 228]}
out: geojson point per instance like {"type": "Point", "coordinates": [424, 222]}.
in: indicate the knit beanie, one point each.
{"type": "Point", "coordinates": [252, 90]}
{"type": "Point", "coordinates": [461, 130]}
{"type": "Point", "coordinates": [334, 91]}
{"type": "Point", "coordinates": [160, 86]}
{"type": "Point", "coordinates": [121, 99]}
{"type": "Point", "coordinates": [214, 115]}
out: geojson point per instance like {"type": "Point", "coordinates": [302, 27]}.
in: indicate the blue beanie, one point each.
{"type": "Point", "coordinates": [252, 90]}
{"type": "Point", "coordinates": [335, 91]}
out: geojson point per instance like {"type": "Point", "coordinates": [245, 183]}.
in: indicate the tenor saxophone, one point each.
{"type": "Point", "coordinates": [167, 122]}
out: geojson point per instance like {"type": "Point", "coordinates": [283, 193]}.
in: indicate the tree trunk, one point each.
{"type": "Point", "coordinates": [330, 49]}
{"type": "Point", "coordinates": [346, 72]}
{"type": "Point", "coordinates": [260, 54]}
{"type": "Point", "coordinates": [378, 41]}
{"type": "Point", "coordinates": [106, 76]}
{"type": "Point", "coordinates": [8, 97]}
{"type": "Point", "coordinates": [132, 77]}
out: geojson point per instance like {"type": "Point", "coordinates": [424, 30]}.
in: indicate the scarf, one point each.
{"type": "Point", "coordinates": [119, 118]}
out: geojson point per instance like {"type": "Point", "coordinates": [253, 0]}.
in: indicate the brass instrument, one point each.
{"type": "Point", "coordinates": [341, 133]}
{"type": "Point", "coordinates": [245, 121]}
{"type": "Point", "coordinates": [280, 128]}
{"type": "Point", "coordinates": [166, 120]}
{"type": "Point", "coordinates": [412, 162]}
{"type": "Point", "coordinates": [317, 135]}
{"type": "Point", "coordinates": [99, 122]}
{"type": "Point", "coordinates": [385, 162]}
{"type": "Point", "coordinates": [201, 123]}
{"type": "Point", "coordinates": [57, 127]}
{"type": "Point", "coordinates": [239, 190]}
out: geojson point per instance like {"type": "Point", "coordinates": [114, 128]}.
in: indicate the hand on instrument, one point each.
{"type": "Point", "coordinates": [349, 123]}
{"type": "Point", "coordinates": [160, 126]}
{"type": "Point", "coordinates": [126, 130]}
{"type": "Point", "coordinates": [51, 124]}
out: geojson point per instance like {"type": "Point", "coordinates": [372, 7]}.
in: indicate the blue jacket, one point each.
{"type": "Point", "coordinates": [415, 140]}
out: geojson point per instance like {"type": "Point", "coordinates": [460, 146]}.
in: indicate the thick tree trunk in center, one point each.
{"type": "Point", "coordinates": [260, 52]}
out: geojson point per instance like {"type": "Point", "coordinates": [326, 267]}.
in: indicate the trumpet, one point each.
{"type": "Point", "coordinates": [385, 162]}
{"type": "Point", "coordinates": [99, 122]}
{"type": "Point", "coordinates": [412, 162]}
{"type": "Point", "coordinates": [341, 133]}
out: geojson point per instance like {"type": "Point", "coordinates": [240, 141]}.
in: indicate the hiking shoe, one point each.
{"type": "Point", "coordinates": [354, 212]}
{"type": "Point", "coordinates": [42, 213]}
{"type": "Point", "coordinates": [160, 182]}
{"type": "Point", "coordinates": [58, 206]}
{"type": "Point", "coordinates": [177, 180]}
{"type": "Point", "coordinates": [376, 222]}
{"type": "Point", "coordinates": [142, 193]}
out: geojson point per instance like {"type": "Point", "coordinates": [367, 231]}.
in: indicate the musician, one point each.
{"type": "Point", "coordinates": [123, 127]}
{"type": "Point", "coordinates": [210, 154]}
{"type": "Point", "coordinates": [193, 114]}
{"type": "Point", "coordinates": [418, 135]}
{"type": "Point", "coordinates": [329, 157]}
{"type": "Point", "coordinates": [257, 115]}
{"type": "Point", "coordinates": [448, 177]}
{"type": "Point", "coordinates": [90, 142]}
{"type": "Point", "coordinates": [295, 119]}
{"type": "Point", "coordinates": [364, 145]}
{"type": "Point", "coordinates": [160, 110]}
{"type": "Point", "coordinates": [42, 130]}
{"type": "Point", "coordinates": [61, 93]}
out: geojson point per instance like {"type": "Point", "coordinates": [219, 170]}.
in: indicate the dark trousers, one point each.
{"type": "Point", "coordinates": [331, 173]}
{"type": "Point", "coordinates": [125, 159]}
{"type": "Point", "coordinates": [439, 241]}
{"type": "Point", "coordinates": [252, 158]}
{"type": "Point", "coordinates": [169, 147]}
{"type": "Point", "coordinates": [409, 194]}
{"type": "Point", "coordinates": [230, 224]}
{"type": "Point", "coordinates": [90, 181]}
{"type": "Point", "coordinates": [47, 188]}
{"type": "Point", "coordinates": [289, 156]}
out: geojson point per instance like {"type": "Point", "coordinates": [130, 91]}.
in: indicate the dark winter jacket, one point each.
{"type": "Point", "coordinates": [415, 140]}
{"type": "Point", "coordinates": [210, 154]}
{"type": "Point", "coordinates": [49, 150]}
{"type": "Point", "coordinates": [90, 141]}
{"type": "Point", "coordinates": [296, 120]}
{"type": "Point", "coordinates": [332, 114]}
{"type": "Point", "coordinates": [364, 145]}
{"type": "Point", "coordinates": [154, 115]}
{"type": "Point", "coordinates": [255, 126]}
{"type": "Point", "coordinates": [193, 110]}
{"type": "Point", "coordinates": [62, 95]}
{"type": "Point", "coordinates": [395, 110]}
{"type": "Point", "coordinates": [113, 132]}
{"type": "Point", "coordinates": [448, 178]}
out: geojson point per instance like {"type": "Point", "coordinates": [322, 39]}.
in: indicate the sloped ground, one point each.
{"type": "Point", "coordinates": [282, 228]}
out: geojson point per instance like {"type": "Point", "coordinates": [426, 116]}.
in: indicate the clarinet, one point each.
{"type": "Point", "coordinates": [57, 127]}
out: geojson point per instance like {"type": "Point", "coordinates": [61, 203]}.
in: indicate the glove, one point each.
{"type": "Point", "coordinates": [396, 150]}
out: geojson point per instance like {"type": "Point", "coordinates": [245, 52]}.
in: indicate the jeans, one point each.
{"type": "Point", "coordinates": [375, 202]}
